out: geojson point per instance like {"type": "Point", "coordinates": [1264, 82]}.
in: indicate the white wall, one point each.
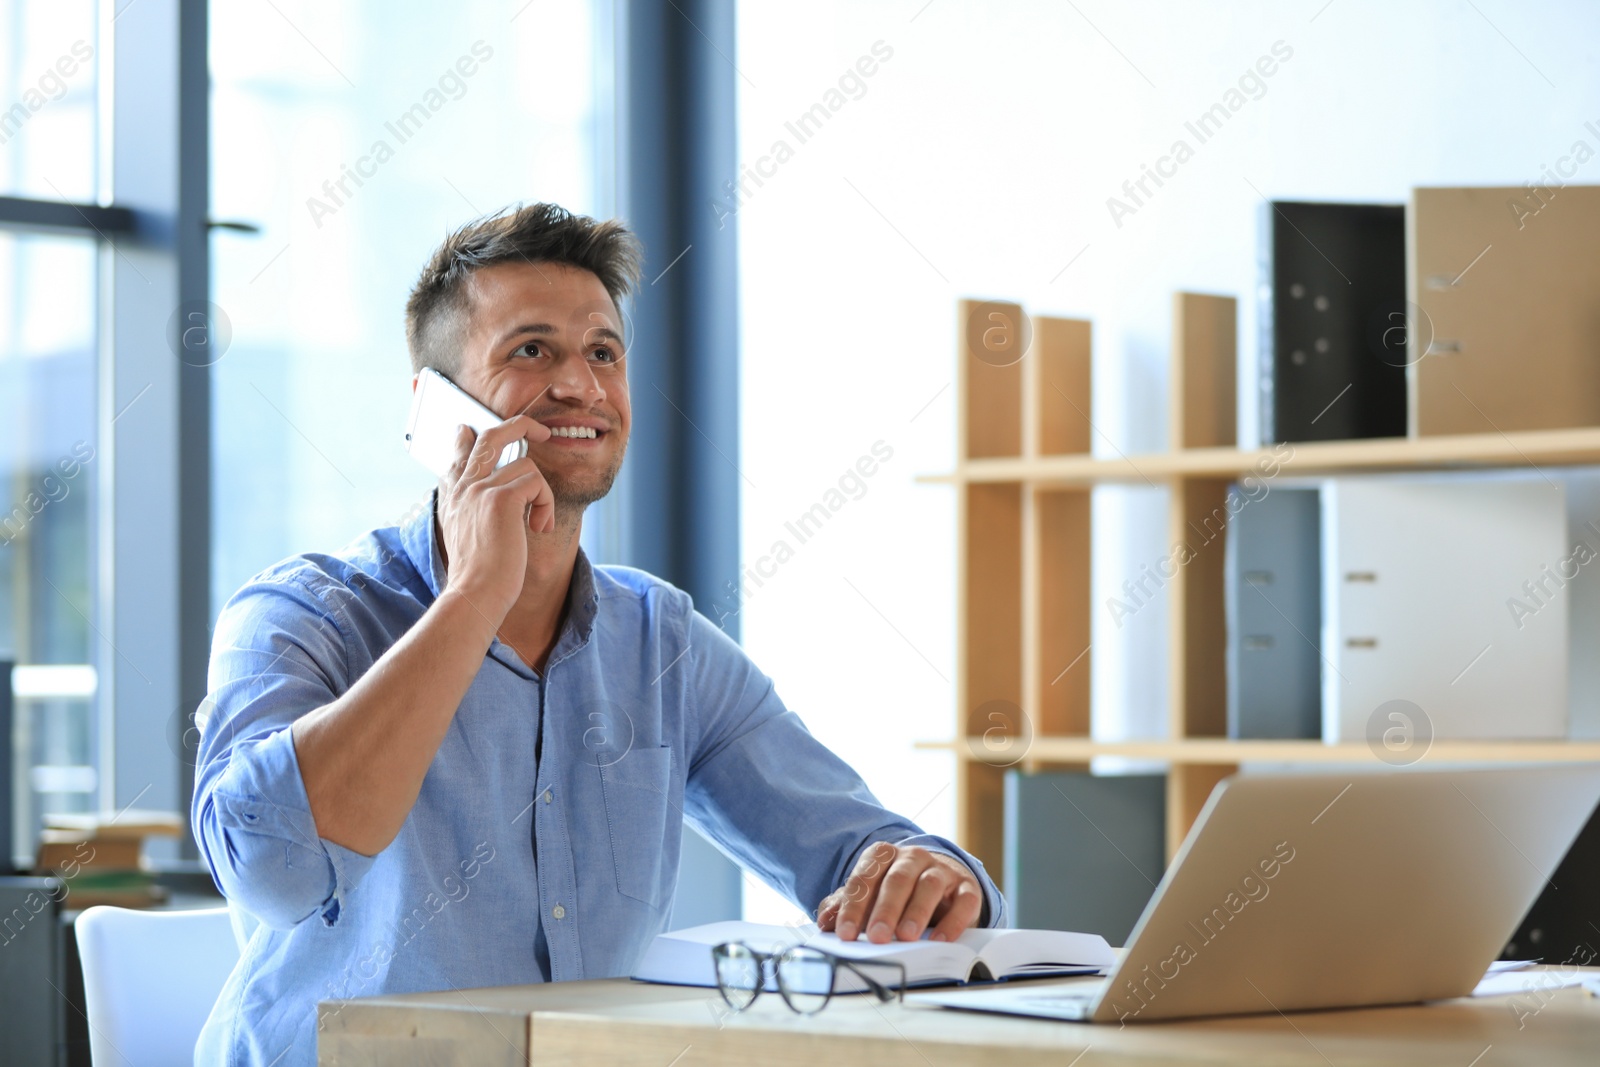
{"type": "Point", "coordinates": [978, 162]}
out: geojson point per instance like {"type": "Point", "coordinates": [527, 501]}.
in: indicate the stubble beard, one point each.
{"type": "Point", "coordinates": [573, 494]}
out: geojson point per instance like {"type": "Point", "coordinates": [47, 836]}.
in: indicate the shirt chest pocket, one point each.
{"type": "Point", "coordinates": [642, 820]}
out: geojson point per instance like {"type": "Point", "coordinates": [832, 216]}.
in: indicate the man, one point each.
{"type": "Point", "coordinates": [456, 755]}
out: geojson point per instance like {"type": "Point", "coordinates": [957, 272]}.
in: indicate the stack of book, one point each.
{"type": "Point", "coordinates": [100, 856]}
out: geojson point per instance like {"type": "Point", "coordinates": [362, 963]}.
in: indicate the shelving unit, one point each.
{"type": "Point", "coordinates": [1023, 481]}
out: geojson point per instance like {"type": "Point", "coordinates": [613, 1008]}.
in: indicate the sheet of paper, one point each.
{"type": "Point", "coordinates": [1070, 1001]}
{"type": "Point", "coordinates": [1509, 983]}
{"type": "Point", "coordinates": [1509, 965]}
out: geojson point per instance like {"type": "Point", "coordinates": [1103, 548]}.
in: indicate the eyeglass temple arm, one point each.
{"type": "Point", "coordinates": [879, 990]}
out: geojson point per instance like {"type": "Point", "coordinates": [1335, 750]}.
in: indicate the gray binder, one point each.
{"type": "Point", "coordinates": [1083, 852]}
{"type": "Point", "coordinates": [8, 798]}
{"type": "Point", "coordinates": [1274, 608]}
{"type": "Point", "coordinates": [32, 970]}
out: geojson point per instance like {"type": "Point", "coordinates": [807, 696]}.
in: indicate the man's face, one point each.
{"type": "Point", "coordinates": [545, 340]}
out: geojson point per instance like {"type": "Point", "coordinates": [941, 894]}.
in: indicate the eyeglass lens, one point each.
{"type": "Point", "coordinates": [738, 975]}
{"type": "Point", "coordinates": [805, 978]}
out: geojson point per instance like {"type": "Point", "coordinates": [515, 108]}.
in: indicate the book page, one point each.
{"type": "Point", "coordinates": [1013, 952]}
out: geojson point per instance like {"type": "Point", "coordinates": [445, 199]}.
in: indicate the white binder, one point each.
{"type": "Point", "coordinates": [1444, 592]}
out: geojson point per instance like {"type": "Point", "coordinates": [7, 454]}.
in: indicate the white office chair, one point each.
{"type": "Point", "coordinates": [149, 981]}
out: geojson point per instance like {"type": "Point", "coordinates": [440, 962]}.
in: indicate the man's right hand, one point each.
{"type": "Point", "coordinates": [363, 756]}
{"type": "Point", "coordinates": [484, 513]}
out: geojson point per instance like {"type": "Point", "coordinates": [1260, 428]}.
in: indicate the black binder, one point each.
{"type": "Point", "coordinates": [1333, 342]}
{"type": "Point", "coordinates": [1563, 926]}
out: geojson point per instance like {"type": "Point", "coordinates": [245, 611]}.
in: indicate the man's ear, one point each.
{"type": "Point", "coordinates": [414, 378]}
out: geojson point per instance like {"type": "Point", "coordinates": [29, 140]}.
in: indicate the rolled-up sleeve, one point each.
{"type": "Point", "coordinates": [278, 653]}
{"type": "Point", "coordinates": [775, 797]}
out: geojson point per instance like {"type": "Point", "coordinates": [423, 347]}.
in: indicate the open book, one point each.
{"type": "Point", "coordinates": [683, 957]}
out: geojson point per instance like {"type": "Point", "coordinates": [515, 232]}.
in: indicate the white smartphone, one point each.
{"type": "Point", "coordinates": [438, 406]}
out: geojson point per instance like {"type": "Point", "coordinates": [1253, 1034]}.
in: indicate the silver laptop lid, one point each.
{"type": "Point", "coordinates": [1327, 890]}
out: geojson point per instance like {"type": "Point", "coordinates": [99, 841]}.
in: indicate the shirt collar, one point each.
{"type": "Point", "coordinates": [419, 536]}
{"type": "Point", "coordinates": [583, 603]}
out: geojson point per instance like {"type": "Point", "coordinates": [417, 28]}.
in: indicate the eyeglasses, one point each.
{"type": "Point", "coordinates": [805, 976]}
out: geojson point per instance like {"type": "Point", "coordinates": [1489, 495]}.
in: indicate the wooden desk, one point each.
{"type": "Point", "coordinates": [623, 1022]}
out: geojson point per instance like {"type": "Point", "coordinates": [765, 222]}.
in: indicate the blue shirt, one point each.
{"type": "Point", "coordinates": [544, 843]}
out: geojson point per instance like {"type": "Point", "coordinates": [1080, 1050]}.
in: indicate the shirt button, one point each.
{"type": "Point", "coordinates": [558, 912]}
{"type": "Point", "coordinates": [547, 796]}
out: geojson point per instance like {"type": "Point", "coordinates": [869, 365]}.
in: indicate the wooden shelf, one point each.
{"type": "Point", "coordinates": [1527, 448]}
{"type": "Point", "coordinates": [1221, 751]}
{"type": "Point", "coordinates": [1024, 554]}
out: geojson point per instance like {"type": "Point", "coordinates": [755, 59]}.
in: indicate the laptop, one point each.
{"type": "Point", "coordinates": [1302, 891]}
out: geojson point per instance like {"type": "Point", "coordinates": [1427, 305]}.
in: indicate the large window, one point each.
{"type": "Point", "coordinates": [355, 137]}
{"type": "Point", "coordinates": [346, 140]}
{"type": "Point", "coordinates": [47, 478]}
{"type": "Point", "coordinates": [48, 412]}
{"type": "Point", "coordinates": [49, 133]}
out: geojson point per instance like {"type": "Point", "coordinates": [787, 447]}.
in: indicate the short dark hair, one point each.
{"type": "Point", "coordinates": [535, 233]}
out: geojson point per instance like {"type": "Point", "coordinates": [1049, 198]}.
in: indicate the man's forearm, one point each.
{"type": "Point", "coordinates": [363, 757]}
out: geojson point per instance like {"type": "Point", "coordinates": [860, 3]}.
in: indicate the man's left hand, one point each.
{"type": "Point", "coordinates": [899, 892]}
